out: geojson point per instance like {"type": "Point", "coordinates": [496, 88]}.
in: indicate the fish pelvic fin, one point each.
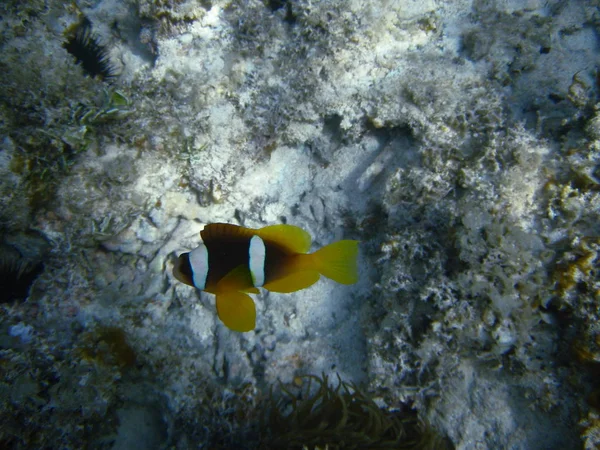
{"type": "Point", "coordinates": [236, 310]}
{"type": "Point", "coordinates": [338, 261]}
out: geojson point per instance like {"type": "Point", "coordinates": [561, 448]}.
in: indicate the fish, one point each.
{"type": "Point", "coordinates": [233, 261]}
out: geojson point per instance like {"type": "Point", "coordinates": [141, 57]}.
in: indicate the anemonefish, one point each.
{"type": "Point", "coordinates": [233, 261]}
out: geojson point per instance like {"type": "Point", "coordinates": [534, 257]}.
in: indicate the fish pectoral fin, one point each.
{"type": "Point", "coordinates": [236, 310]}
{"type": "Point", "coordinates": [292, 238]}
{"type": "Point", "coordinates": [293, 282]}
{"type": "Point", "coordinates": [239, 279]}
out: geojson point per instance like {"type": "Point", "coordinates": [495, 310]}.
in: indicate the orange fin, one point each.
{"type": "Point", "coordinates": [293, 282]}
{"type": "Point", "coordinates": [292, 238]}
{"type": "Point", "coordinates": [239, 279]}
{"type": "Point", "coordinates": [338, 261]}
{"type": "Point", "coordinates": [226, 231]}
{"type": "Point", "coordinates": [236, 310]}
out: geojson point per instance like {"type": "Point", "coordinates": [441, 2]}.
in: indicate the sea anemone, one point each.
{"type": "Point", "coordinates": [342, 417]}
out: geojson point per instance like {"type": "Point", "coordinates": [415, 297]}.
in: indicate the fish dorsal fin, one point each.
{"type": "Point", "coordinates": [226, 231]}
{"type": "Point", "coordinates": [239, 279]}
{"type": "Point", "coordinates": [291, 238]}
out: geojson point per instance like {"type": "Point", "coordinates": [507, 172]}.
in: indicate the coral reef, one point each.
{"type": "Point", "coordinates": [458, 141]}
{"type": "Point", "coordinates": [54, 396]}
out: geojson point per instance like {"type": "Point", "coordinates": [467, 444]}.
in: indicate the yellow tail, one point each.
{"type": "Point", "coordinates": [338, 261]}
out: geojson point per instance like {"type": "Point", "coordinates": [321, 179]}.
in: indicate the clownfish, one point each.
{"type": "Point", "coordinates": [234, 261]}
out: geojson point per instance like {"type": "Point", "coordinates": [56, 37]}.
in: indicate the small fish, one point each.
{"type": "Point", "coordinates": [234, 261]}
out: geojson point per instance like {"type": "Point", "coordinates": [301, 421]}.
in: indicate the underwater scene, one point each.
{"type": "Point", "coordinates": [299, 224]}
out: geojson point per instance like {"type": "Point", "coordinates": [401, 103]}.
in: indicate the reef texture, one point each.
{"type": "Point", "coordinates": [459, 141]}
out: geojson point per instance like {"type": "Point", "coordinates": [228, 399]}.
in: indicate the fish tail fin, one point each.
{"type": "Point", "coordinates": [338, 261]}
